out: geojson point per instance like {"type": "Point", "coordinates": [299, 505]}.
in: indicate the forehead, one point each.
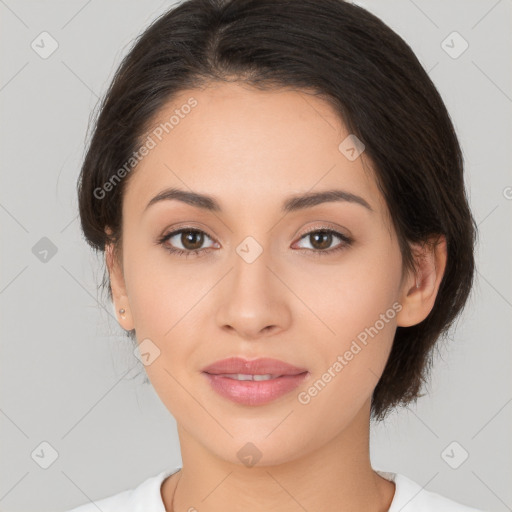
{"type": "Point", "coordinates": [248, 146]}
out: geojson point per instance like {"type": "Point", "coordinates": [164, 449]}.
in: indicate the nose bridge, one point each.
{"type": "Point", "coordinates": [251, 276]}
{"type": "Point", "coordinates": [253, 299]}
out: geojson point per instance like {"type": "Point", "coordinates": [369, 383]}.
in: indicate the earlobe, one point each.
{"type": "Point", "coordinates": [420, 289]}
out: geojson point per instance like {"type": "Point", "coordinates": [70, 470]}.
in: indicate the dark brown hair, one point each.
{"type": "Point", "coordinates": [348, 57]}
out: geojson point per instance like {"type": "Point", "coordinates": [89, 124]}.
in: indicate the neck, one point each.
{"type": "Point", "coordinates": [336, 476]}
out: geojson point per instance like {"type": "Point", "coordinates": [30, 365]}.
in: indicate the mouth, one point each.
{"type": "Point", "coordinates": [241, 376]}
{"type": "Point", "coordinates": [253, 382]}
{"type": "Point", "coordinates": [262, 366]}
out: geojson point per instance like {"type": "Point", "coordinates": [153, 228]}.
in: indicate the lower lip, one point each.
{"type": "Point", "coordinates": [249, 392]}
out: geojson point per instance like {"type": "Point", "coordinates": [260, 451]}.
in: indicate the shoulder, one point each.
{"type": "Point", "coordinates": [120, 501]}
{"type": "Point", "coordinates": [411, 497]}
{"type": "Point", "coordinates": [145, 497]}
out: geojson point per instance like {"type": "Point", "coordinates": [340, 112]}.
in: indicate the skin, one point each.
{"type": "Point", "coordinates": [251, 150]}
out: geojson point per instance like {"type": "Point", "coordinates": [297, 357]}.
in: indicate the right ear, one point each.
{"type": "Point", "coordinates": [118, 286]}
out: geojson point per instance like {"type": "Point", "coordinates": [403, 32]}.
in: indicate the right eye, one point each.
{"type": "Point", "coordinates": [191, 240]}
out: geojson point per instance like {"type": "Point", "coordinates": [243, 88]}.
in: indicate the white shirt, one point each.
{"type": "Point", "coordinates": [409, 497]}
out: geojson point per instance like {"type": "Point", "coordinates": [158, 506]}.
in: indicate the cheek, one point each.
{"type": "Point", "coordinates": [352, 293]}
{"type": "Point", "coordinates": [356, 302]}
{"type": "Point", "coordinates": [162, 290]}
{"type": "Point", "coordinates": [165, 300]}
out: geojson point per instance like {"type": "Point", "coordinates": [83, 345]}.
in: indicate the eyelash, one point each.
{"type": "Point", "coordinates": [345, 242]}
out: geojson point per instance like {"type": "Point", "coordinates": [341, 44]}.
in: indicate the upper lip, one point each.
{"type": "Point", "coordinates": [262, 366]}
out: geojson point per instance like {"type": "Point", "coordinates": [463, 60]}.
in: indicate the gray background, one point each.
{"type": "Point", "coordinates": [68, 376]}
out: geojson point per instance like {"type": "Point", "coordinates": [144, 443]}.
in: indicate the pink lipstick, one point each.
{"type": "Point", "coordinates": [253, 382]}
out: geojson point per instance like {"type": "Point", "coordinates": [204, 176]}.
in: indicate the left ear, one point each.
{"type": "Point", "coordinates": [419, 290]}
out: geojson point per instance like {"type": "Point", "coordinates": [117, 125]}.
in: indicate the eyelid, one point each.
{"type": "Point", "coordinates": [328, 227]}
{"type": "Point", "coordinates": [186, 226]}
{"type": "Point", "coordinates": [176, 230]}
{"type": "Point", "coordinates": [338, 231]}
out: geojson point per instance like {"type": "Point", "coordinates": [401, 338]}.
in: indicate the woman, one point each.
{"type": "Point", "coordinates": [279, 193]}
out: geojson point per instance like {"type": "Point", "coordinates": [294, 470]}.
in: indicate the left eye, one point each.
{"type": "Point", "coordinates": [323, 238]}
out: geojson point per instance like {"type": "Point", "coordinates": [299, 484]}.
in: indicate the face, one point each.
{"type": "Point", "coordinates": [317, 285]}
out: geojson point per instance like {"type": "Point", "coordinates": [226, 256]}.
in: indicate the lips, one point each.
{"type": "Point", "coordinates": [262, 366]}
{"type": "Point", "coordinates": [255, 382]}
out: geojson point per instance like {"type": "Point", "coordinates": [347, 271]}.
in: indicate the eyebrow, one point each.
{"type": "Point", "coordinates": [294, 203]}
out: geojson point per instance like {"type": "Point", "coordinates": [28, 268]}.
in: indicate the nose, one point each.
{"type": "Point", "coordinates": [253, 302]}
